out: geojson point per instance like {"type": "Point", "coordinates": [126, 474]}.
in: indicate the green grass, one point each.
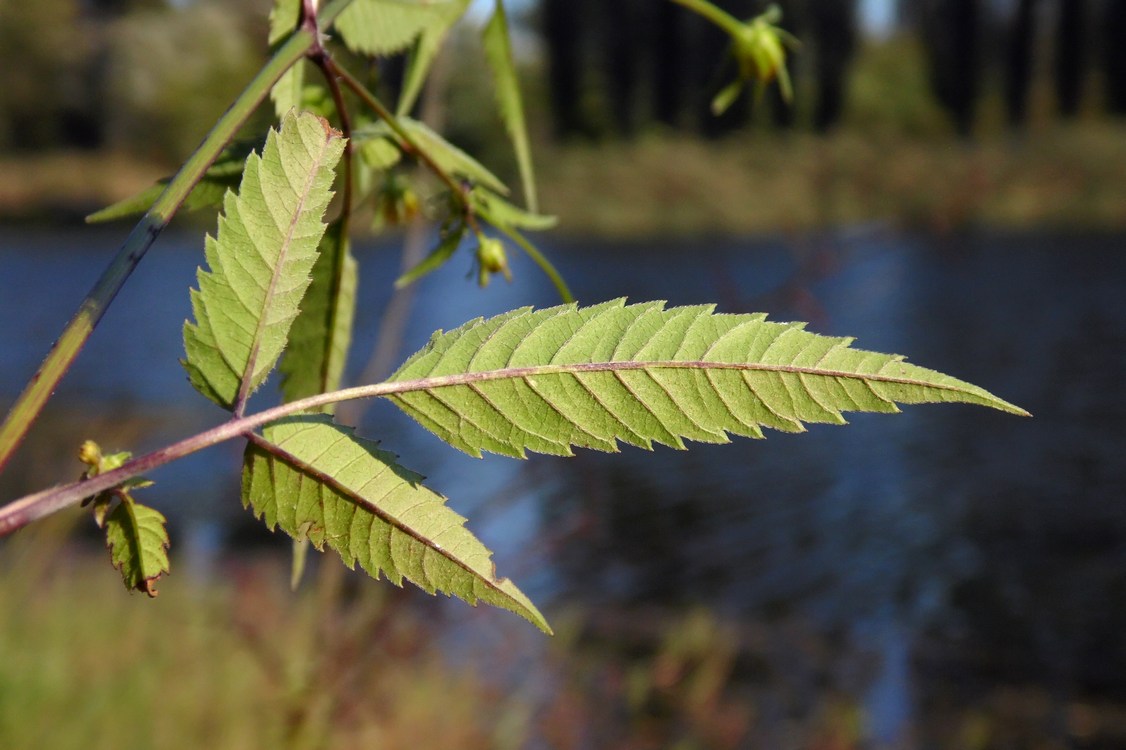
{"type": "Point", "coordinates": [238, 664]}
{"type": "Point", "coordinates": [242, 662]}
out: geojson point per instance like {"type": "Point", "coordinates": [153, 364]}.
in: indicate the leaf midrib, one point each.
{"type": "Point", "coordinates": [283, 251]}
{"type": "Point", "coordinates": [329, 480]}
{"type": "Point", "coordinates": [468, 378]}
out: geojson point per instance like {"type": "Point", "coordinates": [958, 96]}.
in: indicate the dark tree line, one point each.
{"type": "Point", "coordinates": [615, 66]}
{"type": "Point", "coordinates": [964, 37]}
{"type": "Point", "coordinates": [1076, 34]}
{"type": "Point", "coordinates": [64, 64]}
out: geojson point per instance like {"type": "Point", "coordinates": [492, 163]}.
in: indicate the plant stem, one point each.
{"type": "Point", "coordinates": [718, 16]}
{"type": "Point", "coordinates": [388, 117]}
{"type": "Point", "coordinates": [19, 513]}
{"type": "Point", "coordinates": [541, 260]}
{"type": "Point", "coordinates": [66, 349]}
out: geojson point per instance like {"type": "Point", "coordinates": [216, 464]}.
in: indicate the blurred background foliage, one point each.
{"type": "Point", "coordinates": [141, 81]}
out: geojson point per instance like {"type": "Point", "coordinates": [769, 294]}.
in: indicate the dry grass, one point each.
{"type": "Point", "coordinates": [1063, 176]}
{"type": "Point", "coordinates": [69, 182]}
{"type": "Point", "coordinates": [1055, 176]}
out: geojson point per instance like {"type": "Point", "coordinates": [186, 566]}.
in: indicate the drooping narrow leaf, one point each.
{"type": "Point", "coordinates": [541, 260]}
{"type": "Point", "coordinates": [498, 53]}
{"type": "Point", "coordinates": [500, 213]}
{"type": "Point", "coordinates": [135, 534]}
{"type": "Point", "coordinates": [551, 379]}
{"type": "Point", "coordinates": [208, 192]}
{"type": "Point", "coordinates": [423, 54]}
{"type": "Point", "coordinates": [446, 155]}
{"type": "Point", "coordinates": [322, 332]}
{"type": "Point", "coordinates": [309, 476]}
{"type": "Point", "coordinates": [448, 244]}
{"type": "Point", "coordinates": [260, 260]}
{"type": "Point", "coordinates": [384, 27]}
{"type": "Point", "coordinates": [138, 544]}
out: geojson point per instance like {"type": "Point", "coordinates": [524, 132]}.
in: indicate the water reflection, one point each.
{"type": "Point", "coordinates": [956, 546]}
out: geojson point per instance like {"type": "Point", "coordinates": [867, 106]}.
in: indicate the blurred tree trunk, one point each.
{"type": "Point", "coordinates": [563, 32]}
{"type": "Point", "coordinates": [667, 59]}
{"type": "Point", "coordinates": [1114, 55]}
{"type": "Point", "coordinates": [952, 31]}
{"type": "Point", "coordinates": [1018, 62]}
{"type": "Point", "coordinates": [908, 13]}
{"type": "Point", "coordinates": [624, 39]}
{"type": "Point", "coordinates": [121, 7]}
{"type": "Point", "coordinates": [1070, 55]}
{"type": "Point", "coordinates": [833, 32]}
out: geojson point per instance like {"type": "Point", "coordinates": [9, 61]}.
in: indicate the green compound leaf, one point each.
{"type": "Point", "coordinates": [551, 379]}
{"type": "Point", "coordinates": [384, 27]}
{"type": "Point", "coordinates": [317, 479]}
{"type": "Point", "coordinates": [260, 260]}
{"type": "Point", "coordinates": [138, 544]}
{"type": "Point", "coordinates": [498, 53]}
{"type": "Point", "coordinates": [322, 332]}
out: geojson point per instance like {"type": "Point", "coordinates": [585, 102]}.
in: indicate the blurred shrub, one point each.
{"type": "Point", "coordinates": [171, 73]}
{"type": "Point", "coordinates": [890, 93]}
{"type": "Point", "coordinates": [42, 53]}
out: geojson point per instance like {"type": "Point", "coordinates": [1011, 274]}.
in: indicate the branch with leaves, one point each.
{"type": "Point", "coordinates": [279, 292]}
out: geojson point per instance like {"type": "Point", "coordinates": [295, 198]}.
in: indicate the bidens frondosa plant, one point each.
{"type": "Point", "coordinates": [278, 291]}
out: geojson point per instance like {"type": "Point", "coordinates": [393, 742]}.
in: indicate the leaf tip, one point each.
{"type": "Point", "coordinates": [1005, 406]}
{"type": "Point", "coordinates": [148, 586]}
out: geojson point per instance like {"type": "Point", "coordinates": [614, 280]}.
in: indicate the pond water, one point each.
{"type": "Point", "coordinates": [955, 543]}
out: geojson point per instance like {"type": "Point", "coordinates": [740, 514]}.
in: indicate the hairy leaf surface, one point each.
{"type": "Point", "coordinates": [138, 544]}
{"type": "Point", "coordinates": [260, 260]}
{"type": "Point", "coordinates": [498, 53]}
{"type": "Point", "coordinates": [383, 27]}
{"type": "Point", "coordinates": [312, 477]}
{"type": "Point", "coordinates": [551, 379]}
{"type": "Point", "coordinates": [322, 332]}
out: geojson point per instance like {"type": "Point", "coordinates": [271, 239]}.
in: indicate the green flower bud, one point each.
{"type": "Point", "coordinates": [491, 259]}
{"type": "Point", "coordinates": [759, 48]}
{"type": "Point", "coordinates": [90, 454]}
{"type": "Point", "coordinates": [759, 51]}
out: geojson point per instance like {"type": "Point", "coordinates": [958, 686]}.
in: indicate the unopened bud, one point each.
{"type": "Point", "coordinates": [491, 259]}
{"type": "Point", "coordinates": [90, 454]}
